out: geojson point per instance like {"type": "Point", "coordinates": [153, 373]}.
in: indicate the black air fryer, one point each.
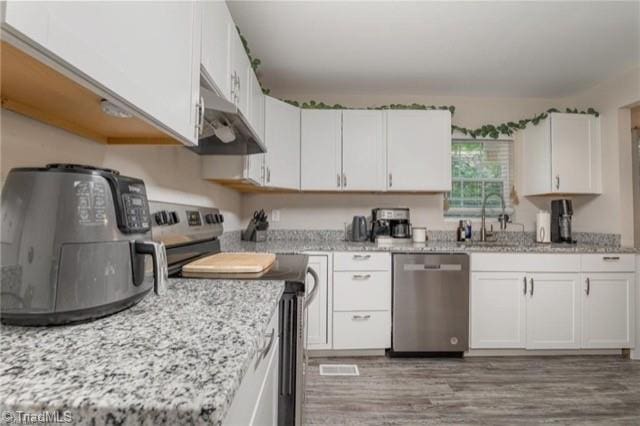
{"type": "Point", "coordinates": [561, 214]}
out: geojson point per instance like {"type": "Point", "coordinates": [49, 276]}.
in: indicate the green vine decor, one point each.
{"type": "Point", "coordinates": [255, 62]}
{"type": "Point", "coordinates": [495, 130]}
{"type": "Point", "coordinates": [488, 130]}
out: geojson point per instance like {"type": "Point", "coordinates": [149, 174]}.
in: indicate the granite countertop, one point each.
{"type": "Point", "coordinates": [173, 359]}
{"type": "Point", "coordinates": [298, 246]}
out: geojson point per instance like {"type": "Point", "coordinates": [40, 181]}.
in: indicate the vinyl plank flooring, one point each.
{"type": "Point", "coordinates": [589, 390]}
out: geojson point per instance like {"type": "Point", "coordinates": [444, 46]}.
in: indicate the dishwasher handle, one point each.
{"type": "Point", "coordinates": [421, 267]}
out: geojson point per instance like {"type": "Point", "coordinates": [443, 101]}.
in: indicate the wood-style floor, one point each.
{"type": "Point", "coordinates": [602, 390]}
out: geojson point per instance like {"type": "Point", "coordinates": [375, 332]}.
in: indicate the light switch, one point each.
{"type": "Point", "coordinates": [275, 215]}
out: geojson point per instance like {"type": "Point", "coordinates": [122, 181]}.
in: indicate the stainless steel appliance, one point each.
{"type": "Point", "coordinates": [430, 304]}
{"type": "Point", "coordinates": [192, 233]}
{"type": "Point", "coordinates": [561, 214]}
{"type": "Point", "coordinates": [223, 128]}
{"type": "Point", "coordinates": [390, 222]}
{"type": "Point", "coordinates": [359, 229]}
{"type": "Point", "coordinates": [76, 245]}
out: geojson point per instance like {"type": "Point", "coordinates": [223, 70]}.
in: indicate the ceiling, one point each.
{"type": "Point", "coordinates": [502, 49]}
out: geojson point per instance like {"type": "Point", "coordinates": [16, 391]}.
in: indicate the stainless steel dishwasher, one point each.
{"type": "Point", "coordinates": [430, 304]}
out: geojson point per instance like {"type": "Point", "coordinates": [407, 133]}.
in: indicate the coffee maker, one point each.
{"type": "Point", "coordinates": [561, 214]}
{"type": "Point", "coordinates": [390, 222]}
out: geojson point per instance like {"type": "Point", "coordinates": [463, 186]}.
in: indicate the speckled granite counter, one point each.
{"type": "Point", "coordinates": [175, 359]}
{"type": "Point", "coordinates": [298, 246]}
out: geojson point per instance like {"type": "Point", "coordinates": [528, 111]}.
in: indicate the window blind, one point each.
{"type": "Point", "coordinates": [480, 168]}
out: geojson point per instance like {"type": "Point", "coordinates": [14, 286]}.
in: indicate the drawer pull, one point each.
{"type": "Point", "coordinates": [361, 276]}
{"type": "Point", "coordinates": [610, 258]}
{"type": "Point", "coordinates": [361, 256]}
{"type": "Point", "coordinates": [264, 350]}
{"type": "Point", "coordinates": [361, 317]}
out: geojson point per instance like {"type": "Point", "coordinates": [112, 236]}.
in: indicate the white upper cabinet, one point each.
{"type": "Point", "coordinates": [216, 54]}
{"type": "Point", "coordinates": [239, 65]}
{"type": "Point", "coordinates": [363, 150]}
{"type": "Point", "coordinates": [255, 103]}
{"type": "Point", "coordinates": [321, 150]}
{"type": "Point", "coordinates": [418, 150]}
{"type": "Point", "coordinates": [146, 54]}
{"type": "Point", "coordinates": [282, 138]}
{"type": "Point", "coordinates": [562, 155]}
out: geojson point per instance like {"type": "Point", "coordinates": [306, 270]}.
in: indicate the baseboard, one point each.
{"type": "Point", "coordinates": [345, 353]}
{"type": "Point", "coordinates": [541, 352]}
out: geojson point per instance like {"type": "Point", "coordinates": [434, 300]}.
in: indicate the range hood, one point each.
{"type": "Point", "coordinates": [223, 121]}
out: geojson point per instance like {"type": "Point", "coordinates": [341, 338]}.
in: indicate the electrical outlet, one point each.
{"type": "Point", "coordinates": [275, 215]}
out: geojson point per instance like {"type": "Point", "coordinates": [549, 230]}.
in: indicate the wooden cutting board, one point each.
{"type": "Point", "coordinates": [231, 263]}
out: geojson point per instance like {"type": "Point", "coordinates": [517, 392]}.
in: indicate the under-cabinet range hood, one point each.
{"type": "Point", "coordinates": [225, 129]}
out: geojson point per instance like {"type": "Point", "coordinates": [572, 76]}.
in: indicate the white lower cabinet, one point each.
{"type": "Point", "coordinates": [319, 310]}
{"type": "Point", "coordinates": [553, 311]}
{"type": "Point", "coordinates": [498, 310]}
{"type": "Point", "coordinates": [256, 401]}
{"type": "Point", "coordinates": [608, 310]}
{"type": "Point", "coordinates": [266, 410]}
{"type": "Point", "coordinates": [362, 330]}
{"type": "Point", "coordinates": [590, 305]}
{"type": "Point", "coordinates": [355, 291]}
{"type": "Point", "coordinates": [361, 300]}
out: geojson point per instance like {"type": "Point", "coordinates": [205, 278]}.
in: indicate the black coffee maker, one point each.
{"type": "Point", "coordinates": [561, 214]}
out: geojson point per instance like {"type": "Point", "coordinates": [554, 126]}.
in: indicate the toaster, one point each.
{"type": "Point", "coordinates": [76, 245]}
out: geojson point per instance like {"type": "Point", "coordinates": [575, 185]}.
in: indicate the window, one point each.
{"type": "Point", "coordinates": [480, 168]}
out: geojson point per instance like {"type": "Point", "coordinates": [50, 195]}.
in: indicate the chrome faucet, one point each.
{"type": "Point", "coordinates": [503, 218]}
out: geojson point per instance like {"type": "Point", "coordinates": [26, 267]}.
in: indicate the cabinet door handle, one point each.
{"type": "Point", "coordinates": [338, 180]}
{"type": "Point", "coordinates": [361, 276]}
{"type": "Point", "coordinates": [361, 256]}
{"type": "Point", "coordinates": [532, 284]}
{"type": "Point", "coordinates": [524, 288]}
{"type": "Point", "coordinates": [611, 258]}
{"type": "Point", "coordinates": [588, 289]}
{"type": "Point", "coordinates": [344, 180]}
{"type": "Point", "coordinates": [361, 317]}
{"type": "Point", "coordinates": [268, 174]}
{"type": "Point", "coordinates": [390, 180]}
{"type": "Point", "coordinates": [557, 182]}
{"type": "Point", "coordinates": [265, 347]}
{"type": "Point", "coordinates": [201, 116]}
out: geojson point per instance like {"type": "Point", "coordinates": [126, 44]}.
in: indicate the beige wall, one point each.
{"type": "Point", "coordinates": [635, 117]}
{"type": "Point", "coordinates": [170, 173]}
{"type": "Point", "coordinates": [332, 211]}
{"type": "Point", "coordinates": [613, 210]}
{"type": "Point", "coordinates": [173, 173]}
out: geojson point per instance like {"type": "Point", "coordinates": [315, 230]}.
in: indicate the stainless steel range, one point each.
{"type": "Point", "coordinates": [190, 233]}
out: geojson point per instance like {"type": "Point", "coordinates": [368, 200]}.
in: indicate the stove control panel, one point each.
{"type": "Point", "coordinates": [183, 223]}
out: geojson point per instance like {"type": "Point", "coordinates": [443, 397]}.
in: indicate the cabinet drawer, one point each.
{"type": "Point", "coordinates": [362, 330]}
{"type": "Point", "coordinates": [525, 262]}
{"type": "Point", "coordinates": [361, 261]}
{"type": "Point", "coordinates": [608, 262]}
{"type": "Point", "coordinates": [358, 291]}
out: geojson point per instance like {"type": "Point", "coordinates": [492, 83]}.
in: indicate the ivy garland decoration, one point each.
{"type": "Point", "coordinates": [488, 130]}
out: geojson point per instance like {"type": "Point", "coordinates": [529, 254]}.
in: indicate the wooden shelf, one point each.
{"type": "Point", "coordinates": [32, 88]}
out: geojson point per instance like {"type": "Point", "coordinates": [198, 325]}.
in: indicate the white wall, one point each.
{"type": "Point", "coordinates": [330, 211]}
{"type": "Point", "coordinates": [613, 210]}
{"type": "Point", "coordinates": [170, 173]}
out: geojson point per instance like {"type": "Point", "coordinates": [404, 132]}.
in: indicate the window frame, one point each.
{"type": "Point", "coordinates": [457, 213]}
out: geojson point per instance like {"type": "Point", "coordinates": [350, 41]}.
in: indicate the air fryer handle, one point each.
{"type": "Point", "coordinates": [159, 256]}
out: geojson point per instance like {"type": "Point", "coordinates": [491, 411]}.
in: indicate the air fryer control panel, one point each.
{"type": "Point", "coordinates": [133, 207]}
